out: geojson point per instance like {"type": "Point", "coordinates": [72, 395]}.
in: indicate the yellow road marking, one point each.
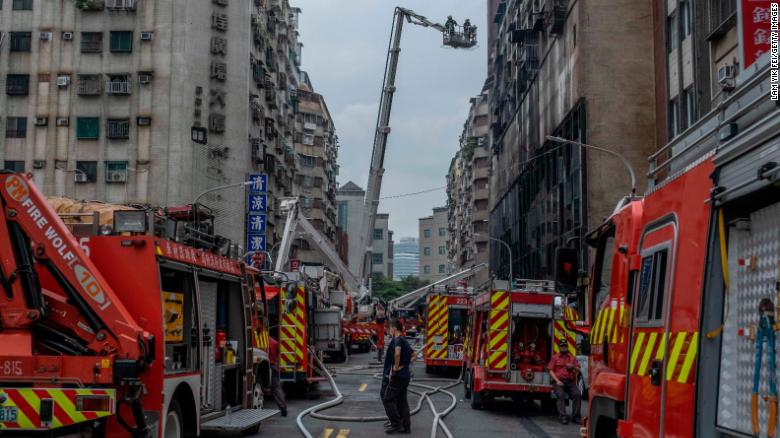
{"type": "Point", "coordinates": [363, 387]}
{"type": "Point", "coordinates": [343, 433]}
{"type": "Point", "coordinates": [327, 433]}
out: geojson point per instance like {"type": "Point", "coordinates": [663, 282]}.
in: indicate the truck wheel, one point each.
{"type": "Point", "coordinates": [476, 397]}
{"type": "Point", "coordinates": [549, 406]}
{"type": "Point", "coordinates": [174, 421]}
{"type": "Point", "coordinates": [257, 396]}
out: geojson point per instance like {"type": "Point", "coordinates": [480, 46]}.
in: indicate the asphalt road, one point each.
{"type": "Point", "coordinates": [361, 398]}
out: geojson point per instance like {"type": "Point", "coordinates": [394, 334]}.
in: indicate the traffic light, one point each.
{"type": "Point", "coordinates": [566, 260]}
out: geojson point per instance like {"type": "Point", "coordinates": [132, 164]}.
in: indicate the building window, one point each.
{"type": "Point", "coordinates": [685, 17]}
{"type": "Point", "coordinates": [118, 128]}
{"type": "Point", "coordinates": [119, 84]}
{"type": "Point", "coordinates": [426, 269]}
{"type": "Point", "coordinates": [22, 5]}
{"type": "Point", "coordinates": [307, 202]}
{"type": "Point", "coordinates": [343, 215]}
{"type": "Point", "coordinates": [378, 259]}
{"type": "Point", "coordinates": [91, 42]}
{"type": "Point", "coordinates": [442, 250]}
{"type": "Point", "coordinates": [21, 41]}
{"type": "Point", "coordinates": [427, 250]}
{"type": "Point", "coordinates": [87, 128]}
{"type": "Point", "coordinates": [427, 233]}
{"type": "Point", "coordinates": [308, 161]}
{"type": "Point", "coordinates": [17, 85]}
{"type": "Point", "coordinates": [89, 85]}
{"type": "Point", "coordinates": [121, 41]}
{"type": "Point", "coordinates": [378, 234]}
{"type": "Point", "coordinates": [116, 171]}
{"type": "Point", "coordinates": [689, 104]}
{"type": "Point", "coordinates": [674, 118]}
{"type": "Point", "coordinates": [442, 269]}
{"type": "Point", "coordinates": [308, 139]}
{"type": "Point", "coordinates": [88, 171]}
{"type": "Point", "coordinates": [16, 127]}
{"type": "Point", "coordinates": [14, 166]}
{"type": "Point", "coordinates": [442, 232]}
{"type": "Point", "coordinates": [307, 181]}
{"type": "Point", "coordinates": [672, 33]}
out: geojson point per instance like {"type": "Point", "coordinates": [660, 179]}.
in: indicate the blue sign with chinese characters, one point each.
{"type": "Point", "coordinates": [256, 220]}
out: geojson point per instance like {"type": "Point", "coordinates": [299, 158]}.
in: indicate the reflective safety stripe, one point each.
{"type": "Point", "coordinates": [693, 348]}
{"type": "Point", "coordinates": [672, 364]}
{"type": "Point", "coordinates": [27, 402]}
{"type": "Point", "coordinates": [637, 348]}
{"type": "Point", "coordinates": [647, 353]}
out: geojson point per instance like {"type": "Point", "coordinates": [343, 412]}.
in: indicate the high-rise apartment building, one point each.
{"type": "Point", "coordinates": [433, 245]}
{"type": "Point", "coordinates": [406, 258]}
{"type": "Point", "coordinates": [153, 101]}
{"type": "Point", "coordinates": [382, 247]}
{"type": "Point", "coordinates": [468, 184]}
{"type": "Point", "coordinates": [350, 206]}
{"type": "Point", "coordinates": [560, 68]}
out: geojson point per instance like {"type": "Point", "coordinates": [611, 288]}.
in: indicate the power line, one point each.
{"type": "Point", "coordinates": [404, 195]}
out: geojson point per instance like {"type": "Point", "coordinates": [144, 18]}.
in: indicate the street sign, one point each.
{"type": "Point", "coordinates": [256, 208]}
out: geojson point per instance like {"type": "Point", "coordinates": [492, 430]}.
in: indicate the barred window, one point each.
{"type": "Point", "coordinates": [118, 128]}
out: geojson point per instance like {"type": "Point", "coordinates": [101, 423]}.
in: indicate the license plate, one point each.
{"type": "Point", "coordinates": [9, 414]}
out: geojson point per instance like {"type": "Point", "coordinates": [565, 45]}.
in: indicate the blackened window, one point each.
{"type": "Point", "coordinates": [91, 42]}
{"type": "Point", "coordinates": [17, 85]}
{"type": "Point", "coordinates": [16, 127]}
{"type": "Point", "coordinates": [88, 169]}
{"type": "Point", "coordinates": [22, 5]}
{"type": "Point", "coordinates": [20, 41]}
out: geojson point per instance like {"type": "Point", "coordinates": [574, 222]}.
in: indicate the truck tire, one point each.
{"type": "Point", "coordinates": [477, 401]}
{"type": "Point", "coordinates": [174, 421]}
{"type": "Point", "coordinates": [466, 386]}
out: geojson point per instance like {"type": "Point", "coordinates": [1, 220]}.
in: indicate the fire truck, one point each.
{"type": "Point", "coordinates": [445, 334]}
{"type": "Point", "coordinates": [123, 332]}
{"type": "Point", "coordinates": [512, 336]}
{"type": "Point", "coordinates": [686, 284]}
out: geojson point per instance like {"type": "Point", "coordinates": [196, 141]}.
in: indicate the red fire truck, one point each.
{"type": "Point", "coordinates": [445, 335]}
{"type": "Point", "coordinates": [123, 333]}
{"type": "Point", "coordinates": [686, 285]}
{"type": "Point", "coordinates": [513, 334]}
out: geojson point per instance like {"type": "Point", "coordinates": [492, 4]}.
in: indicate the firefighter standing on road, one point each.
{"type": "Point", "coordinates": [563, 368]}
{"type": "Point", "coordinates": [395, 398]}
{"type": "Point", "coordinates": [276, 384]}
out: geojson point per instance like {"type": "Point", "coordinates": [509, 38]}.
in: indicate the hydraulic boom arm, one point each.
{"type": "Point", "coordinates": [414, 295]}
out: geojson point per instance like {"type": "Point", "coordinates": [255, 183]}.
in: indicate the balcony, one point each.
{"type": "Point", "coordinates": [119, 85]}
{"type": "Point", "coordinates": [309, 126]}
{"type": "Point", "coordinates": [121, 5]}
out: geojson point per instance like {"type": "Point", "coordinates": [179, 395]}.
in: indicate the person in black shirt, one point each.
{"type": "Point", "coordinates": [395, 398]}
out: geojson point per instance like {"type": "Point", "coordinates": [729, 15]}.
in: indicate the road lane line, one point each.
{"type": "Point", "coordinates": [343, 433]}
{"type": "Point", "coordinates": [363, 387]}
{"type": "Point", "coordinates": [327, 433]}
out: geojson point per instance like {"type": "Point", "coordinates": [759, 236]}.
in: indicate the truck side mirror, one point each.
{"type": "Point", "coordinates": [566, 260]}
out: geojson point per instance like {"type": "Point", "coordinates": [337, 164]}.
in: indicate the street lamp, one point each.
{"type": "Point", "coordinates": [613, 153]}
{"type": "Point", "coordinates": [214, 189]}
{"type": "Point", "coordinates": [508, 248]}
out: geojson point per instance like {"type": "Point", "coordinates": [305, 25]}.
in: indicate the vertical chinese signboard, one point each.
{"type": "Point", "coordinates": [256, 206]}
{"type": "Point", "coordinates": [754, 33]}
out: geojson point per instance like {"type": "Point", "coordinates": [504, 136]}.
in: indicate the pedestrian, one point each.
{"type": "Point", "coordinates": [276, 384]}
{"type": "Point", "coordinates": [395, 398]}
{"type": "Point", "coordinates": [563, 369]}
{"type": "Point", "coordinates": [387, 369]}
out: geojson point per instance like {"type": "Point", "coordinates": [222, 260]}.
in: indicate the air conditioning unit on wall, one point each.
{"type": "Point", "coordinates": [67, 36]}
{"type": "Point", "coordinates": [41, 121]}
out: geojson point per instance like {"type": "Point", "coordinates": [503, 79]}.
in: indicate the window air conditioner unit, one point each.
{"type": "Point", "coordinates": [63, 121]}
{"type": "Point", "coordinates": [726, 75]}
{"type": "Point", "coordinates": [115, 177]}
{"type": "Point", "coordinates": [144, 78]}
{"type": "Point", "coordinates": [63, 81]}
{"type": "Point", "coordinates": [45, 36]}
{"type": "Point", "coordinates": [143, 121]}
{"type": "Point", "coordinates": [80, 177]}
{"type": "Point", "coordinates": [41, 121]}
{"type": "Point", "coordinates": [39, 164]}
{"type": "Point", "coordinates": [147, 36]}
{"type": "Point", "coordinates": [67, 36]}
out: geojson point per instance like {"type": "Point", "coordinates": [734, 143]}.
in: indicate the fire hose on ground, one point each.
{"type": "Point", "coordinates": [425, 395]}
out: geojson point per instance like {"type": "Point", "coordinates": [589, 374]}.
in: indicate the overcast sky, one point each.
{"type": "Point", "coordinates": [344, 51]}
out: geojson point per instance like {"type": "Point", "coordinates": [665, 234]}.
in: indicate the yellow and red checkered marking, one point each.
{"type": "Point", "coordinates": [292, 334]}
{"type": "Point", "coordinates": [436, 340]}
{"type": "Point", "coordinates": [27, 402]}
{"type": "Point", "coordinates": [498, 339]}
{"type": "Point", "coordinates": [650, 346]}
{"type": "Point", "coordinates": [563, 329]}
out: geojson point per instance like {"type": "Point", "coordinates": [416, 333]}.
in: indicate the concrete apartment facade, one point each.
{"type": "Point", "coordinates": [153, 101]}
{"type": "Point", "coordinates": [433, 245]}
{"type": "Point", "coordinates": [468, 184]}
{"type": "Point", "coordinates": [350, 206]}
{"type": "Point", "coordinates": [382, 254]}
{"type": "Point", "coordinates": [406, 258]}
{"type": "Point", "coordinates": [317, 148]}
{"type": "Point", "coordinates": [559, 68]}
